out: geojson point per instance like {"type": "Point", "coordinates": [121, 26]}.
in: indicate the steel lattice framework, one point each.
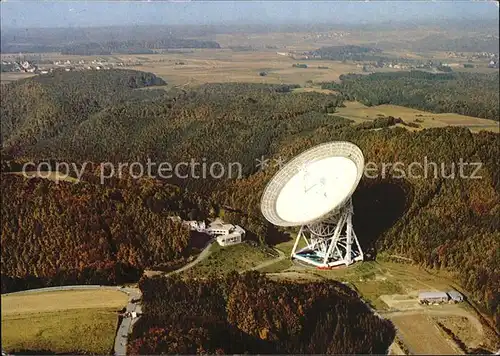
{"type": "Point", "coordinates": [330, 242]}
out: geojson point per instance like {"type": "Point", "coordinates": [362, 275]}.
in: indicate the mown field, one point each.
{"type": "Point", "coordinates": [223, 66]}
{"type": "Point", "coordinates": [358, 113]}
{"type": "Point", "coordinates": [61, 322]}
{"type": "Point", "coordinates": [6, 78]}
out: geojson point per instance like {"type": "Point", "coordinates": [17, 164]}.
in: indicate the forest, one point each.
{"type": "Point", "coordinates": [249, 313]}
{"type": "Point", "coordinates": [56, 234]}
{"type": "Point", "coordinates": [89, 48]}
{"type": "Point", "coordinates": [349, 52]}
{"type": "Point", "coordinates": [472, 94]}
{"type": "Point", "coordinates": [437, 221]}
{"type": "Point", "coordinates": [43, 106]}
{"type": "Point", "coordinates": [134, 47]}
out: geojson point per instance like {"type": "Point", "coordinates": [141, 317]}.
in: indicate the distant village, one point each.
{"type": "Point", "coordinates": [38, 66]}
{"type": "Point", "coordinates": [490, 58]}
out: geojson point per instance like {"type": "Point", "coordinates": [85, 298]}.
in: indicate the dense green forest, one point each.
{"type": "Point", "coordinates": [438, 222]}
{"type": "Point", "coordinates": [472, 94]}
{"type": "Point", "coordinates": [134, 47]}
{"type": "Point", "coordinates": [87, 48]}
{"type": "Point", "coordinates": [251, 314]}
{"type": "Point", "coordinates": [349, 52]}
{"type": "Point", "coordinates": [47, 104]}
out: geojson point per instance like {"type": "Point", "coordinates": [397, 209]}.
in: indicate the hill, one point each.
{"type": "Point", "coordinates": [43, 106]}
{"type": "Point", "coordinates": [432, 213]}
{"type": "Point", "coordinates": [471, 94]}
{"type": "Point", "coordinates": [251, 314]}
{"type": "Point", "coordinates": [64, 233]}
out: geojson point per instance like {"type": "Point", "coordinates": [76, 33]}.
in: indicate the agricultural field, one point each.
{"type": "Point", "coordinates": [61, 321]}
{"type": "Point", "coordinates": [463, 329]}
{"type": "Point", "coordinates": [222, 66]}
{"type": "Point", "coordinates": [199, 66]}
{"type": "Point", "coordinates": [358, 112]}
{"type": "Point", "coordinates": [6, 78]}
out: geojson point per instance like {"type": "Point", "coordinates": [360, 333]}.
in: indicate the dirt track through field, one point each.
{"type": "Point", "coordinates": [422, 336]}
{"type": "Point", "coordinates": [415, 326]}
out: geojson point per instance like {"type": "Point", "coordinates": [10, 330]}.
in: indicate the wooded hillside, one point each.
{"type": "Point", "coordinates": [471, 94]}
{"type": "Point", "coordinates": [251, 314]}
{"type": "Point", "coordinates": [438, 220]}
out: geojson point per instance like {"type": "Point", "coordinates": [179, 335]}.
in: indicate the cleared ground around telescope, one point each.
{"type": "Point", "coordinates": [392, 288]}
{"type": "Point", "coordinates": [62, 321]}
{"type": "Point", "coordinates": [221, 260]}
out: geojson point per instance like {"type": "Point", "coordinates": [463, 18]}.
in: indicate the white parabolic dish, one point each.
{"type": "Point", "coordinates": [313, 185]}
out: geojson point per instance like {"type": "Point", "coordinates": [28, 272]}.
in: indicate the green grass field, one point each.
{"type": "Point", "coordinates": [359, 113]}
{"type": "Point", "coordinates": [277, 267]}
{"type": "Point", "coordinates": [74, 321]}
{"type": "Point", "coordinates": [68, 331]}
{"type": "Point", "coordinates": [222, 260]}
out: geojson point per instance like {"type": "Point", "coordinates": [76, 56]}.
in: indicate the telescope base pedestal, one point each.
{"type": "Point", "coordinates": [329, 243]}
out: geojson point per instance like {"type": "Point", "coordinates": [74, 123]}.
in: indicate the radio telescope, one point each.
{"type": "Point", "coordinates": [314, 191]}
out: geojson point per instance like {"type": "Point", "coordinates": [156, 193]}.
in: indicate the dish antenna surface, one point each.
{"type": "Point", "coordinates": [314, 191]}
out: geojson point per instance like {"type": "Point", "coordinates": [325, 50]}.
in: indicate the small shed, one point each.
{"type": "Point", "coordinates": [456, 296]}
{"type": "Point", "coordinates": [433, 297]}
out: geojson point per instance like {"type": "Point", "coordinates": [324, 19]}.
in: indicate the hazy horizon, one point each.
{"type": "Point", "coordinates": [18, 14]}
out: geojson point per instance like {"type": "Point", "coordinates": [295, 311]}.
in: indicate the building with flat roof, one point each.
{"type": "Point", "coordinates": [433, 297]}
{"type": "Point", "coordinates": [226, 234]}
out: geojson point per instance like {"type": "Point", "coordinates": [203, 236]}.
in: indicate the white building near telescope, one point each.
{"type": "Point", "coordinates": [313, 191]}
{"type": "Point", "coordinates": [226, 234]}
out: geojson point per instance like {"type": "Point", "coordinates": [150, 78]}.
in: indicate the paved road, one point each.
{"type": "Point", "coordinates": [127, 322]}
{"type": "Point", "coordinates": [125, 327]}
{"type": "Point", "coordinates": [203, 254]}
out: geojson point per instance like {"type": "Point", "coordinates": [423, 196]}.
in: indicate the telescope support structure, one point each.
{"type": "Point", "coordinates": [330, 242]}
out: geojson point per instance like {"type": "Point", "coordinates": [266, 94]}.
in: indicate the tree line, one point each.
{"type": "Point", "coordinates": [437, 221]}
{"type": "Point", "coordinates": [472, 94]}
{"type": "Point", "coordinates": [252, 314]}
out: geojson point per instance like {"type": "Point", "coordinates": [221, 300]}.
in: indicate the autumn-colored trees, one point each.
{"type": "Point", "coordinates": [436, 219]}
{"type": "Point", "coordinates": [251, 314]}
{"type": "Point", "coordinates": [86, 233]}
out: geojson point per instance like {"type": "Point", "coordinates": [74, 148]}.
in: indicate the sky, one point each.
{"type": "Point", "coordinates": [28, 14]}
